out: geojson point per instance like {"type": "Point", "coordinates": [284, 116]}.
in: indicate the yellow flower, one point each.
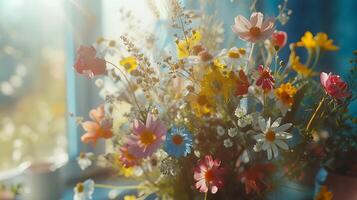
{"type": "Point", "coordinates": [129, 63]}
{"type": "Point", "coordinates": [217, 63]}
{"type": "Point", "coordinates": [285, 94]}
{"type": "Point", "coordinates": [233, 53]}
{"type": "Point", "coordinates": [201, 104]}
{"type": "Point", "coordinates": [324, 194]}
{"type": "Point", "coordinates": [129, 197]}
{"type": "Point", "coordinates": [299, 67]}
{"type": "Point", "coordinates": [214, 84]}
{"type": "Point", "coordinates": [307, 41]}
{"type": "Point", "coordinates": [320, 40]}
{"type": "Point", "coordinates": [126, 171]}
{"type": "Point", "coordinates": [183, 46]}
{"type": "Point", "coordinates": [325, 43]}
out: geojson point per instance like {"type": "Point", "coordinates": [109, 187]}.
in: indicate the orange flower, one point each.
{"type": "Point", "coordinates": [100, 127]}
{"type": "Point", "coordinates": [324, 194]}
{"type": "Point", "coordinates": [285, 93]}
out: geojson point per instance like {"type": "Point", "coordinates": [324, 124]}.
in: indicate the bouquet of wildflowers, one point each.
{"type": "Point", "coordinates": [216, 124]}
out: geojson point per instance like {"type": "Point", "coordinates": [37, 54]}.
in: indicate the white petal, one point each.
{"type": "Point", "coordinates": [269, 154]}
{"type": "Point", "coordinates": [268, 123]}
{"type": "Point", "coordinates": [242, 21]}
{"type": "Point", "coordinates": [256, 19]}
{"type": "Point", "coordinates": [282, 144]}
{"type": "Point", "coordinates": [284, 135]}
{"type": "Point", "coordinates": [276, 123]}
{"type": "Point", "coordinates": [266, 145]}
{"type": "Point", "coordinates": [283, 127]}
{"type": "Point", "coordinates": [275, 150]}
{"type": "Point", "coordinates": [259, 137]}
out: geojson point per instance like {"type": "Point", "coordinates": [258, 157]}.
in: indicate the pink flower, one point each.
{"type": "Point", "coordinates": [100, 127]}
{"type": "Point", "coordinates": [146, 138]}
{"type": "Point", "coordinates": [254, 30]}
{"type": "Point", "coordinates": [88, 63]}
{"type": "Point", "coordinates": [209, 175]}
{"type": "Point", "coordinates": [334, 85]}
{"type": "Point", "coordinates": [126, 158]}
{"type": "Point", "coordinates": [279, 39]}
{"type": "Point", "coordinates": [266, 79]}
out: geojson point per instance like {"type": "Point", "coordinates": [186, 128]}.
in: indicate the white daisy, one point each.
{"type": "Point", "coordinates": [84, 160]}
{"type": "Point", "coordinates": [227, 143]}
{"type": "Point", "coordinates": [245, 120]}
{"type": "Point", "coordinates": [232, 132]}
{"type": "Point", "coordinates": [220, 130]}
{"type": "Point", "coordinates": [272, 136]}
{"type": "Point", "coordinates": [233, 58]}
{"type": "Point", "coordinates": [84, 191]}
{"type": "Point", "coordinates": [240, 112]}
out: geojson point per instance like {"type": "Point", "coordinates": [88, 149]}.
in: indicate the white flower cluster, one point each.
{"type": "Point", "coordinates": [244, 119]}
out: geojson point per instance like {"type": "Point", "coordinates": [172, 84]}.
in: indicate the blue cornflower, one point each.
{"type": "Point", "coordinates": [178, 142]}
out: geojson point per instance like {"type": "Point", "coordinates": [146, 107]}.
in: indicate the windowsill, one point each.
{"type": "Point", "coordinates": [67, 176]}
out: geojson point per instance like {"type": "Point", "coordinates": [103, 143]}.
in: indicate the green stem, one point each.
{"type": "Point", "coordinates": [114, 187]}
{"type": "Point", "coordinates": [317, 58]}
{"type": "Point", "coordinates": [205, 196]}
{"type": "Point", "coordinates": [314, 115]}
{"type": "Point", "coordinates": [308, 61]}
{"type": "Point", "coordinates": [130, 88]}
{"type": "Point", "coordinates": [250, 54]}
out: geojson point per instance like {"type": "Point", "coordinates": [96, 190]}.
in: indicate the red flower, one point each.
{"type": "Point", "coordinates": [334, 85]}
{"type": "Point", "coordinates": [87, 63]}
{"type": "Point", "coordinates": [209, 175]}
{"type": "Point", "coordinates": [266, 79]}
{"type": "Point", "coordinates": [279, 39]}
{"type": "Point", "coordinates": [242, 83]}
{"type": "Point", "coordinates": [253, 178]}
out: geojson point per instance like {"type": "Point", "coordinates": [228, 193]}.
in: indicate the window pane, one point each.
{"type": "Point", "coordinates": [32, 82]}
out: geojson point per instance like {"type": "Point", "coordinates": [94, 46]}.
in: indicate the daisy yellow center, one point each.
{"type": "Point", "coordinates": [209, 175]}
{"type": "Point", "coordinates": [242, 51]}
{"type": "Point", "coordinates": [255, 31]}
{"type": "Point", "coordinates": [177, 139]}
{"type": "Point", "coordinates": [147, 137]}
{"type": "Point", "coordinates": [202, 100]}
{"type": "Point", "coordinates": [270, 136]}
{"type": "Point", "coordinates": [233, 54]}
{"type": "Point", "coordinates": [80, 187]}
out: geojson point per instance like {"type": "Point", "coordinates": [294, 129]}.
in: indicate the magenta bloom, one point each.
{"type": "Point", "coordinates": [334, 85]}
{"type": "Point", "coordinates": [146, 138]}
{"type": "Point", "coordinates": [279, 39]}
{"type": "Point", "coordinates": [254, 30]}
{"type": "Point", "coordinates": [266, 79]}
{"type": "Point", "coordinates": [87, 62]}
{"type": "Point", "coordinates": [209, 175]}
